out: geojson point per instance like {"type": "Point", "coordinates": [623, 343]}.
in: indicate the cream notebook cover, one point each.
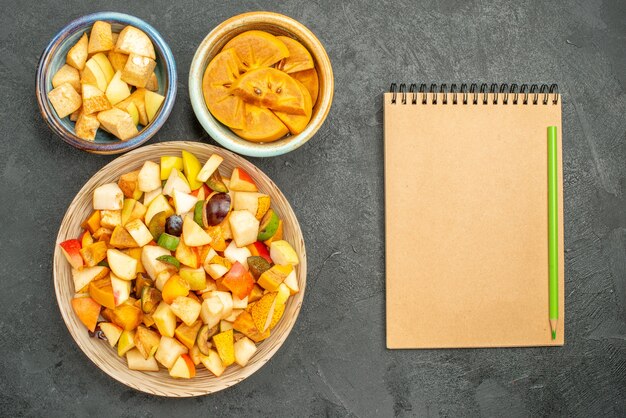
{"type": "Point", "coordinates": [466, 217]}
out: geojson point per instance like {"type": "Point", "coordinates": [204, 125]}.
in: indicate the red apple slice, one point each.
{"type": "Point", "coordinates": [71, 252]}
{"type": "Point", "coordinates": [241, 181]}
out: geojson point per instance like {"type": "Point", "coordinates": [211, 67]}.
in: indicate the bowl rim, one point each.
{"type": "Point", "coordinates": [152, 152]}
{"type": "Point", "coordinates": [53, 121]}
{"type": "Point", "coordinates": [213, 127]}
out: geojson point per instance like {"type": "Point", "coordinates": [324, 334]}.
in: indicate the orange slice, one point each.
{"type": "Point", "coordinates": [219, 75]}
{"type": "Point", "coordinates": [261, 125]}
{"type": "Point", "coordinates": [257, 49]}
{"type": "Point", "coordinates": [297, 123]}
{"type": "Point", "coordinates": [270, 88]}
{"type": "Point", "coordinates": [310, 81]}
{"type": "Point", "coordinates": [299, 58]}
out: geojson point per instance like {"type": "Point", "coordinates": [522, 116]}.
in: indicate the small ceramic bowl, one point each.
{"type": "Point", "coordinates": [275, 24]}
{"type": "Point", "coordinates": [53, 58]}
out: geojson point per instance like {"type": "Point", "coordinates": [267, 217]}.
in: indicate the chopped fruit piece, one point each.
{"type": "Point", "coordinates": [209, 167]}
{"type": "Point", "coordinates": [168, 163]}
{"type": "Point", "coordinates": [149, 177]}
{"type": "Point", "coordinates": [173, 288]}
{"type": "Point", "coordinates": [257, 49]}
{"type": "Point", "coordinates": [133, 40]}
{"type": "Point", "coordinates": [239, 281]}
{"type": "Point", "coordinates": [225, 325]}
{"type": "Point", "coordinates": [215, 210]}
{"type": "Point", "coordinates": [119, 123]}
{"type": "Point", "coordinates": [186, 255]}
{"type": "Point", "coordinates": [77, 55]}
{"type": "Point", "coordinates": [183, 202]}
{"type": "Point", "coordinates": [111, 331]}
{"type": "Point", "coordinates": [195, 355]}
{"type": "Point", "coordinates": [86, 239]}
{"type": "Point", "coordinates": [146, 341]}
{"type": "Point", "coordinates": [277, 236]}
{"type": "Point", "coordinates": [158, 204]}
{"type": "Point", "coordinates": [255, 294]}
{"type": "Point", "coordinates": [240, 303]}
{"type": "Point", "coordinates": [283, 294]}
{"type": "Point", "coordinates": [110, 218]}
{"type": "Point", "coordinates": [169, 259]}
{"type": "Point", "coordinates": [149, 260]}
{"type": "Point", "coordinates": [259, 249]}
{"type": "Point", "coordinates": [102, 292]}
{"type": "Point", "coordinates": [299, 58]}
{"type": "Point", "coordinates": [283, 253]}
{"type": "Point", "coordinates": [117, 60]}
{"type": "Point", "coordinates": [137, 72]}
{"type": "Point", "coordinates": [213, 363]}
{"type": "Point", "coordinates": [67, 74]}
{"type": "Point", "coordinates": [224, 344]}
{"type": "Point", "coordinates": [310, 81]}
{"type": "Point", "coordinates": [279, 310]}
{"type": "Point", "coordinates": [174, 225]}
{"type": "Point", "coordinates": [241, 181]}
{"type": "Point", "coordinates": [257, 266]}
{"type": "Point", "coordinates": [169, 350]}
{"type": "Point", "coordinates": [87, 126]}
{"type": "Point", "coordinates": [176, 181]}
{"type": "Point", "coordinates": [150, 299]}
{"type": "Point", "coordinates": [245, 324]}
{"type": "Point", "coordinates": [263, 311]}
{"type": "Point", "coordinates": [103, 234]}
{"type": "Point", "coordinates": [137, 362]}
{"type": "Point", "coordinates": [126, 343]}
{"type": "Point", "coordinates": [205, 335]}
{"type": "Point", "coordinates": [269, 225]}
{"type": "Point", "coordinates": [187, 334]}
{"type": "Point", "coordinates": [196, 277]}
{"type": "Point", "coordinates": [129, 184]}
{"type": "Point", "coordinates": [171, 243]}
{"type": "Point", "coordinates": [108, 197]}
{"type": "Point", "coordinates": [117, 90]}
{"type": "Point", "coordinates": [183, 368]}
{"type": "Point", "coordinates": [120, 238]}
{"type": "Point", "coordinates": [71, 251]}
{"type": "Point", "coordinates": [193, 234]}
{"type": "Point", "coordinates": [153, 103]}
{"type": "Point", "coordinates": [165, 320]}
{"type": "Point", "coordinates": [215, 182]}
{"type": "Point", "coordinates": [255, 203]}
{"type": "Point", "coordinates": [298, 123]}
{"type": "Point", "coordinates": [261, 125]}
{"type": "Point", "coordinates": [137, 99]}
{"type": "Point", "coordinates": [105, 66]}
{"type": "Point", "coordinates": [156, 226]}
{"type": "Point", "coordinates": [187, 309]}
{"type": "Point", "coordinates": [236, 254]}
{"type": "Point", "coordinates": [139, 231]}
{"type": "Point", "coordinates": [93, 222]}
{"type": "Point", "coordinates": [270, 89]}
{"type": "Point", "coordinates": [126, 316]}
{"type": "Point", "coordinates": [64, 99]}
{"type": "Point", "coordinates": [83, 277]}
{"type": "Point", "coordinates": [100, 38]}
{"type": "Point", "coordinates": [244, 350]}
{"type": "Point", "coordinates": [292, 282]}
{"type": "Point", "coordinates": [212, 309]}
{"type": "Point", "coordinates": [245, 227]}
{"type": "Point", "coordinates": [121, 289]}
{"type": "Point", "coordinates": [153, 83]}
{"type": "Point", "coordinates": [272, 278]}
{"type": "Point", "coordinates": [87, 311]}
{"type": "Point", "coordinates": [124, 266]}
{"type": "Point", "coordinates": [94, 101]}
{"type": "Point", "coordinates": [192, 167]}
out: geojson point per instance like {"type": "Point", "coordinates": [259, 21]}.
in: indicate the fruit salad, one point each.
{"type": "Point", "coordinates": [263, 87]}
{"type": "Point", "coordinates": [108, 82]}
{"type": "Point", "coordinates": [178, 266]}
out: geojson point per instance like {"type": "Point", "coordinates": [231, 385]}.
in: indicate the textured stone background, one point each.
{"type": "Point", "coordinates": [335, 362]}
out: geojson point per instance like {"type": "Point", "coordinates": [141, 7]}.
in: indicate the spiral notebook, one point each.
{"type": "Point", "coordinates": [466, 215]}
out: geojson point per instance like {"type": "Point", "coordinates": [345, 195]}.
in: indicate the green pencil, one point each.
{"type": "Point", "coordinates": [553, 230]}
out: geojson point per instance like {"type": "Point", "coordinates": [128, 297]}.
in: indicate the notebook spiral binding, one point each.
{"type": "Point", "coordinates": [497, 90]}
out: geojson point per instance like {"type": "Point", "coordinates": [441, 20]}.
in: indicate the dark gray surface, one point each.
{"type": "Point", "coordinates": [335, 362]}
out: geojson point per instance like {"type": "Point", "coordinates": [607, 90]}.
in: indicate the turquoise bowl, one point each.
{"type": "Point", "coordinates": [53, 58]}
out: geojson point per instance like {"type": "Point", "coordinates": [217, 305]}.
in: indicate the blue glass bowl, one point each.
{"type": "Point", "coordinates": [53, 58]}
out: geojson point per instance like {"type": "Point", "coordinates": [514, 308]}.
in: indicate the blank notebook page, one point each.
{"type": "Point", "coordinates": [466, 223]}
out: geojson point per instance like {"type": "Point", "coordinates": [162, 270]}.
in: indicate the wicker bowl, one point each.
{"type": "Point", "coordinates": [106, 358]}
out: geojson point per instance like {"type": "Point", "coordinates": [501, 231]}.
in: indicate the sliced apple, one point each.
{"type": "Point", "coordinates": [124, 266]}
{"type": "Point", "coordinates": [153, 103]}
{"type": "Point", "coordinates": [196, 277]}
{"type": "Point", "coordinates": [187, 309]}
{"type": "Point", "coordinates": [137, 362]}
{"type": "Point", "coordinates": [193, 234]}
{"type": "Point", "coordinates": [292, 282]}
{"type": "Point", "coordinates": [121, 289]}
{"type": "Point", "coordinates": [187, 256]}
{"type": "Point", "coordinates": [149, 254]}
{"type": "Point", "coordinates": [87, 311]}
{"type": "Point", "coordinates": [183, 368]}
{"type": "Point", "coordinates": [244, 350]}
{"type": "Point", "coordinates": [146, 341]}
{"type": "Point", "coordinates": [71, 251]}
{"type": "Point", "coordinates": [212, 309]}
{"type": "Point", "coordinates": [77, 55]}
{"type": "Point", "coordinates": [169, 350]}
{"type": "Point", "coordinates": [92, 74]}
{"type": "Point", "coordinates": [149, 177]}
{"type": "Point", "coordinates": [105, 66]}
{"type": "Point", "coordinates": [241, 181]}
{"type": "Point", "coordinates": [165, 320]}
{"type": "Point", "coordinates": [139, 231]}
{"type": "Point", "coordinates": [126, 342]}
{"type": "Point", "coordinates": [158, 204]}
{"type": "Point", "coordinates": [283, 294]}
{"type": "Point", "coordinates": [133, 40]}
{"type": "Point", "coordinates": [283, 253]}
{"type": "Point", "coordinates": [183, 202]}
{"type": "Point", "coordinates": [137, 99]}
{"type": "Point", "coordinates": [175, 181]}
{"type": "Point", "coordinates": [64, 99]}
{"type": "Point", "coordinates": [83, 277]}
{"type": "Point", "coordinates": [168, 163]}
{"type": "Point", "coordinates": [256, 203]}
{"type": "Point", "coordinates": [111, 331]}
{"type": "Point", "coordinates": [209, 167]}
{"type": "Point", "coordinates": [118, 90]}
{"type": "Point", "coordinates": [213, 363]}
{"type": "Point", "coordinates": [150, 196]}
{"type": "Point", "coordinates": [244, 226]}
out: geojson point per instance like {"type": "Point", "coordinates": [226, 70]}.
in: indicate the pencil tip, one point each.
{"type": "Point", "coordinates": [554, 334]}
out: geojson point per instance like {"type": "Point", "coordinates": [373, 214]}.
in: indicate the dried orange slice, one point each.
{"type": "Point", "coordinates": [218, 78]}
{"type": "Point", "coordinates": [297, 123]}
{"type": "Point", "coordinates": [310, 81]}
{"type": "Point", "coordinates": [261, 125]}
{"type": "Point", "coordinates": [299, 58]}
{"type": "Point", "coordinates": [257, 49]}
{"type": "Point", "coordinates": [270, 88]}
